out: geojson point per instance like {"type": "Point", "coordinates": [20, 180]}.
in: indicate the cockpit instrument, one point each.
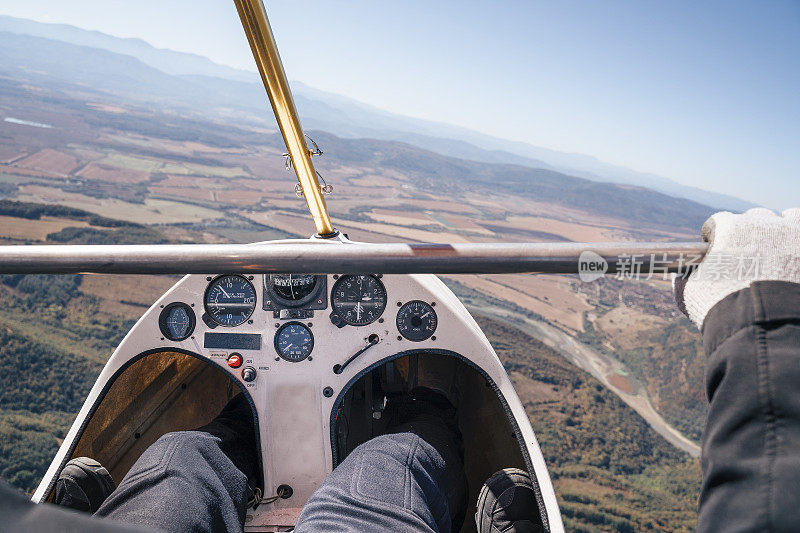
{"type": "Point", "coordinates": [230, 300]}
{"type": "Point", "coordinates": [176, 321]}
{"type": "Point", "coordinates": [292, 291]}
{"type": "Point", "coordinates": [358, 300]}
{"type": "Point", "coordinates": [293, 287]}
{"type": "Point", "coordinates": [417, 320]}
{"type": "Point", "coordinates": [294, 342]}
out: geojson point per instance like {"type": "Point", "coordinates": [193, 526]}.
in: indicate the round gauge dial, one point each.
{"type": "Point", "coordinates": [358, 300]}
{"type": "Point", "coordinates": [417, 321]}
{"type": "Point", "coordinates": [230, 300]}
{"type": "Point", "coordinates": [294, 288]}
{"type": "Point", "coordinates": [294, 342]}
{"type": "Point", "coordinates": [176, 321]}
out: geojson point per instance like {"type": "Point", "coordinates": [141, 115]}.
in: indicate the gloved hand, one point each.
{"type": "Point", "coordinates": [755, 246]}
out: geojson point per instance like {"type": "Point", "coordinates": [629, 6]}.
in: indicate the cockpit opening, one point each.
{"type": "Point", "coordinates": [490, 436]}
{"type": "Point", "coordinates": [156, 393]}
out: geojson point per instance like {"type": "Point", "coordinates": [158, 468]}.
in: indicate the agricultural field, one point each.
{"type": "Point", "coordinates": [203, 170]}
{"type": "Point", "coordinates": [49, 160]}
{"type": "Point", "coordinates": [551, 297]}
{"type": "Point", "coordinates": [24, 230]}
{"type": "Point", "coordinates": [184, 193]}
{"type": "Point", "coordinates": [9, 154]}
{"type": "Point", "coordinates": [124, 161]}
{"type": "Point", "coordinates": [110, 174]}
{"type": "Point", "coordinates": [152, 210]}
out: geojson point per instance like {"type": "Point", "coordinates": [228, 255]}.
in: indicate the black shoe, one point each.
{"type": "Point", "coordinates": [507, 504]}
{"type": "Point", "coordinates": [235, 428]}
{"type": "Point", "coordinates": [428, 414]}
{"type": "Point", "coordinates": [439, 373]}
{"type": "Point", "coordinates": [421, 404]}
{"type": "Point", "coordinates": [84, 484]}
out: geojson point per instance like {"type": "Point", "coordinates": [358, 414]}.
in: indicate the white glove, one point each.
{"type": "Point", "coordinates": [755, 246]}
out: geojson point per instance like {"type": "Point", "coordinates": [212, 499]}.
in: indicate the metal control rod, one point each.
{"type": "Point", "coordinates": [329, 257]}
{"type": "Point", "coordinates": [265, 51]}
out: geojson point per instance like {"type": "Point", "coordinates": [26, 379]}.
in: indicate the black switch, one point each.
{"type": "Point", "coordinates": [248, 373]}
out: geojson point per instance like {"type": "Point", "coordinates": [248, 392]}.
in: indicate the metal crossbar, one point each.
{"type": "Point", "coordinates": [328, 257]}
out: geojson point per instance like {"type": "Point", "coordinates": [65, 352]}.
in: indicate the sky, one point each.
{"type": "Point", "coordinates": [706, 92]}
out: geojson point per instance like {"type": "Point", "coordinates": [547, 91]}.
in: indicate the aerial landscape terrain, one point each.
{"type": "Point", "coordinates": [97, 147]}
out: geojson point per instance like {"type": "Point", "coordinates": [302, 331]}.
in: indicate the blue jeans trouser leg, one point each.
{"type": "Point", "coordinates": [411, 479]}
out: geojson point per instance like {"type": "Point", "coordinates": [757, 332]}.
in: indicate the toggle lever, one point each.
{"type": "Point", "coordinates": [372, 340]}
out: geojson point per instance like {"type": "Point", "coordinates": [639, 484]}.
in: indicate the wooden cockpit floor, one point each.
{"type": "Point", "coordinates": [159, 393]}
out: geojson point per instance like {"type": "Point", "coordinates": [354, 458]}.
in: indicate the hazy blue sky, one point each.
{"type": "Point", "coordinates": [704, 92]}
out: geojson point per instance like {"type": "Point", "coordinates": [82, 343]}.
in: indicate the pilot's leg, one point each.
{"type": "Point", "coordinates": [410, 479]}
{"type": "Point", "coordinates": [192, 480]}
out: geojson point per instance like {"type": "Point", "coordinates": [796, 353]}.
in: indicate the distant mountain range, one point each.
{"type": "Point", "coordinates": [136, 69]}
{"type": "Point", "coordinates": [169, 61]}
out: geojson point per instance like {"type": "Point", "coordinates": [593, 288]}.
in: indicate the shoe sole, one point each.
{"type": "Point", "coordinates": [497, 484]}
{"type": "Point", "coordinates": [95, 473]}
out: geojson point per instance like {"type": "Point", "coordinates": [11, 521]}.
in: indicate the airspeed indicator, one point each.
{"type": "Point", "coordinates": [294, 342]}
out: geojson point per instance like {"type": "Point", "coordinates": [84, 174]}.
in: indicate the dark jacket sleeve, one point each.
{"type": "Point", "coordinates": [751, 442]}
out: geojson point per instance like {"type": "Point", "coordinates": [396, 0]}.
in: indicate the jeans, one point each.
{"type": "Point", "coordinates": [182, 482]}
{"type": "Point", "coordinates": [410, 479]}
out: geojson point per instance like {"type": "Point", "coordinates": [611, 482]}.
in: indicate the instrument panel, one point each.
{"type": "Point", "coordinates": [230, 301]}
{"type": "Point", "coordinates": [292, 342]}
{"type": "Point", "coordinates": [316, 355]}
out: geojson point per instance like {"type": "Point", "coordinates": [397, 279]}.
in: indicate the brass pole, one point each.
{"type": "Point", "coordinates": [265, 51]}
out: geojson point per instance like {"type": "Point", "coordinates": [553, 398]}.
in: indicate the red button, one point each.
{"type": "Point", "coordinates": [235, 360]}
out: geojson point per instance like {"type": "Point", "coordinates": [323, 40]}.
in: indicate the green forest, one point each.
{"type": "Point", "coordinates": [53, 343]}
{"type": "Point", "coordinates": [48, 363]}
{"type": "Point", "coordinates": [611, 471]}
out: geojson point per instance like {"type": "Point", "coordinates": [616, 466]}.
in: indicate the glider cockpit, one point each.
{"type": "Point", "coordinates": [318, 356]}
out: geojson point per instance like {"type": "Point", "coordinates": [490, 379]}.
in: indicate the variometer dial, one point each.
{"type": "Point", "coordinates": [358, 300]}
{"type": "Point", "coordinates": [230, 300]}
{"type": "Point", "coordinates": [176, 321]}
{"type": "Point", "coordinates": [294, 342]}
{"type": "Point", "coordinates": [417, 321]}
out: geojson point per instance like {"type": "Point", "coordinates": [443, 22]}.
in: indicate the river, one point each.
{"type": "Point", "coordinates": [599, 365]}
